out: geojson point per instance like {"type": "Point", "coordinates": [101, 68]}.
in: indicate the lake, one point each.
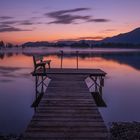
{"type": "Point", "coordinates": [17, 87]}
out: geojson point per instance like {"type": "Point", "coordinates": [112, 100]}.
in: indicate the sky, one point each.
{"type": "Point", "coordinates": [51, 20]}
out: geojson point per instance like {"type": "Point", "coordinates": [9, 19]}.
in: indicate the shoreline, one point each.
{"type": "Point", "coordinates": [48, 50]}
{"type": "Point", "coordinates": [117, 131]}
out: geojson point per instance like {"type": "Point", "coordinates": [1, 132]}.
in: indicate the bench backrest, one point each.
{"type": "Point", "coordinates": [37, 58]}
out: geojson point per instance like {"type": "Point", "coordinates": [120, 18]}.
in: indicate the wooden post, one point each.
{"type": "Point", "coordinates": [101, 84]}
{"type": "Point", "coordinates": [42, 86]}
{"type": "Point", "coordinates": [102, 81]}
{"type": "Point", "coordinates": [77, 53]}
{"type": "Point", "coordinates": [100, 90]}
{"type": "Point", "coordinates": [36, 82]}
{"type": "Point", "coordinates": [61, 64]}
{"type": "Point", "coordinates": [96, 90]}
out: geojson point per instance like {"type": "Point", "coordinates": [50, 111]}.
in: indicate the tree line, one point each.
{"type": "Point", "coordinates": [7, 45]}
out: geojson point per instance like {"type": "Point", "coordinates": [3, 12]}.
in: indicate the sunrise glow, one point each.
{"type": "Point", "coordinates": [51, 20]}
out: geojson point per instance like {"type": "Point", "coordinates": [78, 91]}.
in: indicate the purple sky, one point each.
{"type": "Point", "coordinates": [32, 20]}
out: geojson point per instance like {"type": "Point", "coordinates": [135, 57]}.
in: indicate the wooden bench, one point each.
{"type": "Point", "coordinates": [39, 63]}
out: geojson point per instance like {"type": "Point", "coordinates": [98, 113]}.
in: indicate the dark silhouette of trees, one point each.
{"type": "Point", "coordinates": [2, 45]}
{"type": "Point", "coordinates": [116, 45]}
{"type": "Point", "coordinates": [81, 44]}
{"type": "Point", "coordinates": [9, 45]}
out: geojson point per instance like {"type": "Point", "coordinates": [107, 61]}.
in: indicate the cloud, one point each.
{"type": "Point", "coordinates": [26, 22]}
{"type": "Point", "coordinates": [9, 22]}
{"type": "Point", "coordinates": [35, 18]}
{"type": "Point", "coordinates": [65, 16]}
{"type": "Point", "coordinates": [9, 25]}
{"type": "Point", "coordinates": [69, 17]}
{"type": "Point", "coordinates": [12, 29]}
{"type": "Point", "coordinates": [83, 38]}
{"type": "Point", "coordinates": [4, 26]}
{"type": "Point", "coordinates": [12, 25]}
{"type": "Point", "coordinates": [20, 22]}
{"type": "Point", "coordinates": [30, 21]}
{"type": "Point", "coordinates": [5, 17]}
{"type": "Point", "coordinates": [99, 20]}
{"type": "Point", "coordinates": [91, 38]}
{"type": "Point", "coordinates": [63, 12]}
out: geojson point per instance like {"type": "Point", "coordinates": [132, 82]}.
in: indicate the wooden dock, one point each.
{"type": "Point", "coordinates": [87, 72]}
{"type": "Point", "coordinates": [67, 110]}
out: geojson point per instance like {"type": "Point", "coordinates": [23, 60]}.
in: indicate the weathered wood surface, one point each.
{"type": "Point", "coordinates": [94, 72]}
{"type": "Point", "coordinates": [67, 111]}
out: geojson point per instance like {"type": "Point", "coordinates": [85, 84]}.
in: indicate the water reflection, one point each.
{"type": "Point", "coordinates": [130, 58]}
{"type": "Point", "coordinates": [17, 87]}
{"type": "Point", "coordinates": [2, 55]}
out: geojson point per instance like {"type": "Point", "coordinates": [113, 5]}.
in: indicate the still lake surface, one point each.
{"type": "Point", "coordinates": [17, 87]}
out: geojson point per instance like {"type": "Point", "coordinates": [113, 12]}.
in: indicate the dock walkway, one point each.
{"type": "Point", "coordinates": [67, 110]}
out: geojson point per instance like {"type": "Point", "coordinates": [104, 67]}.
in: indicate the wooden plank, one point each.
{"type": "Point", "coordinates": [66, 111]}
{"type": "Point", "coordinates": [67, 108]}
{"type": "Point", "coordinates": [75, 71]}
{"type": "Point", "coordinates": [63, 129]}
{"type": "Point", "coordinates": [65, 119]}
{"type": "Point", "coordinates": [66, 135]}
{"type": "Point", "coordinates": [67, 105]}
{"type": "Point", "coordinates": [68, 71]}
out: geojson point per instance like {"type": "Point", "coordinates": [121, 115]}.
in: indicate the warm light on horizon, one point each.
{"type": "Point", "coordinates": [22, 37]}
{"type": "Point", "coordinates": [66, 20]}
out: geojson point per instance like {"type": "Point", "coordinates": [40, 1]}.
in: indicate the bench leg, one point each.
{"type": "Point", "coordinates": [49, 65]}
{"type": "Point", "coordinates": [44, 69]}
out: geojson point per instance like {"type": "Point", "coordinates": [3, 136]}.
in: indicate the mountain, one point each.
{"type": "Point", "coordinates": [36, 44]}
{"type": "Point", "coordinates": [66, 42]}
{"type": "Point", "coordinates": [132, 37]}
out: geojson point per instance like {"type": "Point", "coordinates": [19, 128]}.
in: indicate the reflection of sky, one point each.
{"type": "Point", "coordinates": [16, 98]}
{"type": "Point", "coordinates": [121, 91]}
{"type": "Point", "coordinates": [28, 20]}
{"type": "Point", "coordinates": [121, 94]}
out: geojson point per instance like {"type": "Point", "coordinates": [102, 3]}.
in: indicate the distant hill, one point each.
{"type": "Point", "coordinates": [132, 37]}
{"type": "Point", "coordinates": [129, 39]}
{"type": "Point", "coordinates": [36, 44]}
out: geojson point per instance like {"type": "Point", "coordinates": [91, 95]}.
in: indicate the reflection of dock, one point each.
{"type": "Point", "coordinates": [67, 109]}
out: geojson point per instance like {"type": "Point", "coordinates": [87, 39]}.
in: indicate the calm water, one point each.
{"type": "Point", "coordinates": [17, 90]}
